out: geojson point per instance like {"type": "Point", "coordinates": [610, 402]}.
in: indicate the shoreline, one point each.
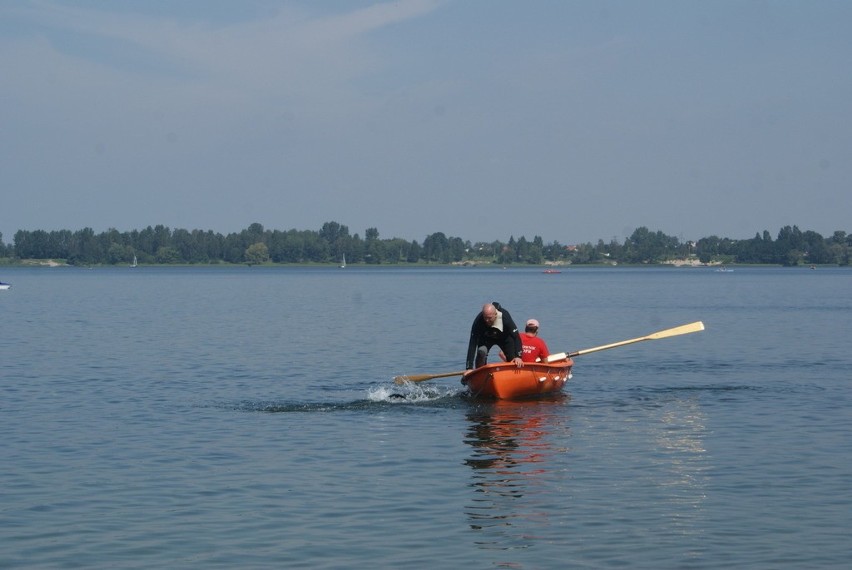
{"type": "Point", "coordinates": [688, 264]}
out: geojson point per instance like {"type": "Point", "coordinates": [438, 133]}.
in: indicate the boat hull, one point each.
{"type": "Point", "coordinates": [505, 381]}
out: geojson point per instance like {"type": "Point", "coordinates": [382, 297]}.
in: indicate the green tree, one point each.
{"type": "Point", "coordinates": [256, 254]}
{"type": "Point", "coordinates": [146, 242]}
{"type": "Point", "coordinates": [316, 249]}
{"type": "Point", "coordinates": [707, 248]}
{"type": "Point", "coordinates": [332, 231]}
{"type": "Point", "coordinates": [435, 248]}
{"type": "Point", "coordinates": [208, 244]}
{"type": "Point", "coordinates": [184, 244]}
{"type": "Point", "coordinates": [414, 252]}
{"type": "Point", "coordinates": [789, 246]}
{"type": "Point", "coordinates": [84, 248]}
{"type": "Point", "coordinates": [535, 255]}
{"type": "Point", "coordinates": [162, 237]}
{"type": "Point", "coordinates": [286, 247]}
{"type": "Point", "coordinates": [508, 252]}
{"type": "Point", "coordinates": [792, 258]}
{"type": "Point", "coordinates": [374, 251]}
{"type": "Point", "coordinates": [116, 253]}
{"type": "Point", "coordinates": [396, 250]}
{"type": "Point", "coordinates": [816, 247]}
{"type": "Point", "coordinates": [455, 249]}
{"type": "Point", "coordinates": [167, 254]}
{"type": "Point", "coordinates": [33, 245]}
{"type": "Point", "coordinates": [645, 246]}
{"type": "Point", "coordinates": [484, 250]}
{"type": "Point", "coordinates": [233, 250]}
{"type": "Point", "coordinates": [522, 250]}
{"type": "Point", "coordinates": [253, 234]}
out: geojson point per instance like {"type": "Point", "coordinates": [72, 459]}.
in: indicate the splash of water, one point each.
{"type": "Point", "coordinates": [410, 392]}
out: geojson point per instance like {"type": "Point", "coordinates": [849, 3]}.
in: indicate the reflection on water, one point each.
{"type": "Point", "coordinates": [513, 445]}
{"type": "Point", "coordinates": [521, 463]}
{"type": "Point", "coordinates": [684, 463]}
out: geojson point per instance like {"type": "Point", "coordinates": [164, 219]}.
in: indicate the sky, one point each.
{"type": "Point", "coordinates": [572, 120]}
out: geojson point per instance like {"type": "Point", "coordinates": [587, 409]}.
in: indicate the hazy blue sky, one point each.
{"type": "Point", "coordinates": [483, 119]}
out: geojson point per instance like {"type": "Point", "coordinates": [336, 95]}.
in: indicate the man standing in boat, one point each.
{"type": "Point", "coordinates": [493, 325]}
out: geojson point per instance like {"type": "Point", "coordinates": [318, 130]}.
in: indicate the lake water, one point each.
{"type": "Point", "coordinates": [236, 417]}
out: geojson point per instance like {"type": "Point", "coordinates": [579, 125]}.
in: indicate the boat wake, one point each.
{"type": "Point", "coordinates": [376, 397]}
{"type": "Point", "coordinates": [411, 393]}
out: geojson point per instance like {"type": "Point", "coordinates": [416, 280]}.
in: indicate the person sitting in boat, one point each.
{"type": "Point", "coordinates": [493, 325]}
{"type": "Point", "coordinates": [533, 347]}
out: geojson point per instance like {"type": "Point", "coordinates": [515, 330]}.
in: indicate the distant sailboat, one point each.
{"type": "Point", "coordinates": [134, 264]}
{"type": "Point", "coordinates": [343, 263]}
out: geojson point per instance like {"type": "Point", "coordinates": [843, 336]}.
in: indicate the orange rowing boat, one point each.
{"type": "Point", "coordinates": [505, 381]}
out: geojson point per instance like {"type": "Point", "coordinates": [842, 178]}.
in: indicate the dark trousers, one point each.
{"type": "Point", "coordinates": [482, 350]}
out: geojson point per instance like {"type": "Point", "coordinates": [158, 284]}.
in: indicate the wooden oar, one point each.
{"type": "Point", "coordinates": [683, 329]}
{"type": "Point", "coordinates": [424, 377]}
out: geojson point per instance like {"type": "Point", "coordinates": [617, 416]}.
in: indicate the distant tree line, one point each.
{"type": "Point", "coordinates": [256, 245]}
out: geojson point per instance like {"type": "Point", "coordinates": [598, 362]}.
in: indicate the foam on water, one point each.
{"type": "Point", "coordinates": [412, 393]}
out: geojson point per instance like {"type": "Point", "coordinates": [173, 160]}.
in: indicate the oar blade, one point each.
{"type": "Point", "coordinates": [683, 329]}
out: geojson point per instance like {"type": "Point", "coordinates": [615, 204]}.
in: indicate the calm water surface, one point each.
{"type": "Point", "coordinates": [235, 417]}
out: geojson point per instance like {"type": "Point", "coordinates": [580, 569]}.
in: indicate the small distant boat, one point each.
{"type": "Point", "coordinates": [724, 269]}
{"type": "Point", "coordinates": [505, 381]}
{"type": "Point", "coordinates": [343, 262]}
{"type": "Point", "coordinates": [4, 286]}
{"type": "Point", "coordinates": [134, 264]}
{"type": "Point", "coordinates": [551, 271]}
